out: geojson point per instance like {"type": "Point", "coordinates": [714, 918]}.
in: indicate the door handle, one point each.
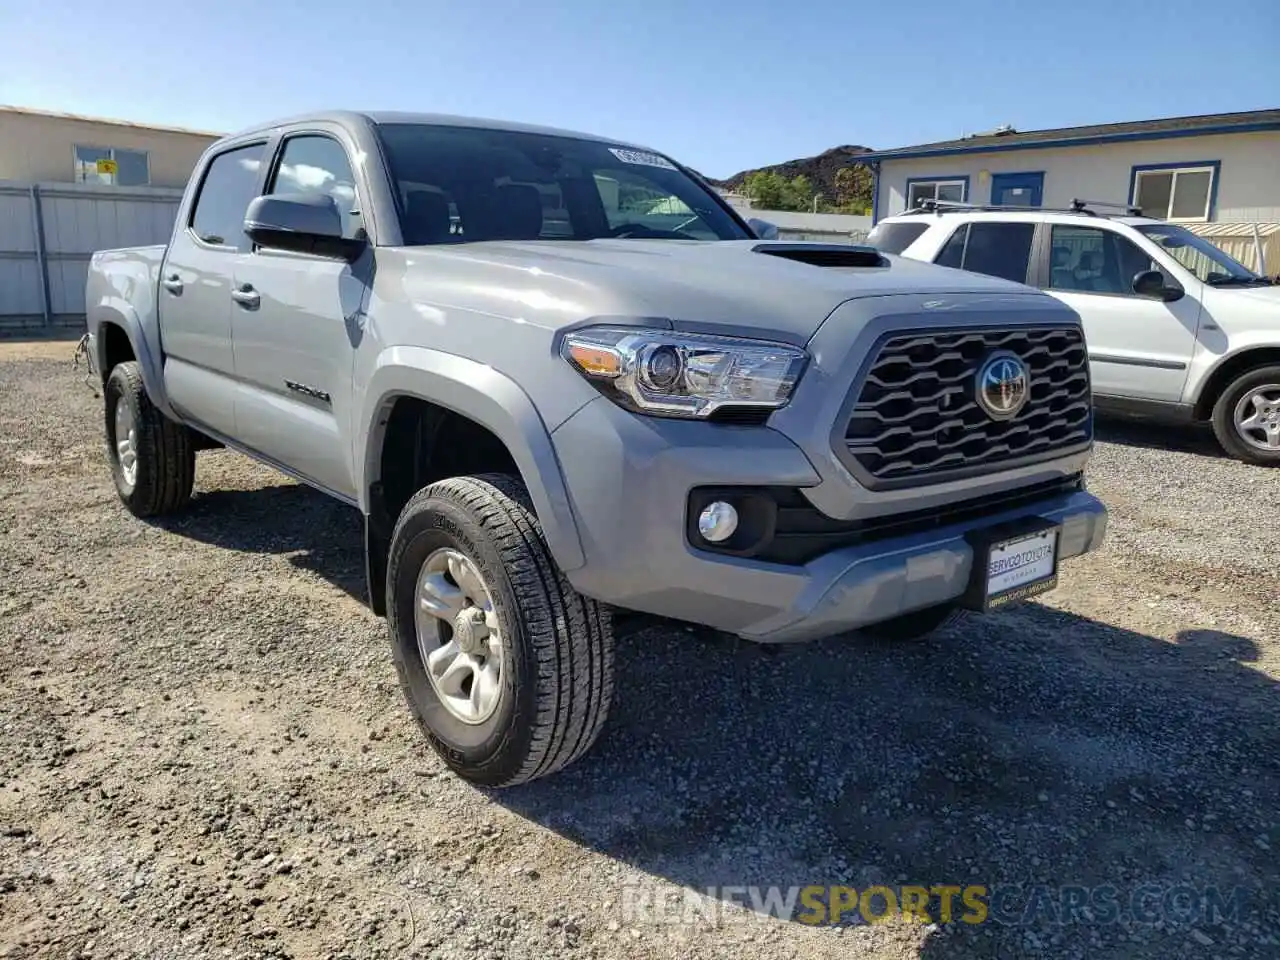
{"type": "Point", "coordinates": [246, 296]}
{"type": "Point", "coordinates": [173, 284]}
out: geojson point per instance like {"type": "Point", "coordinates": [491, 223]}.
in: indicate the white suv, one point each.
{"type": "Point", "coordinates": [1177, 329]}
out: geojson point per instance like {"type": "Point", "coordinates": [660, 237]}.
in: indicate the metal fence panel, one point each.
{"type": "Point", "coordinates": [16, 236]}
{"type": "Point", "coordinates": [49, 231]}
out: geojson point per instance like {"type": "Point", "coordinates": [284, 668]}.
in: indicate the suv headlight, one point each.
{"type": "Point", "coordinates": [688, 375]}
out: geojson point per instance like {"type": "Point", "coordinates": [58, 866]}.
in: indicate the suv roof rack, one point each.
{"type": "Point", "coordinates": [1082, 207]}
{"type": "Point", "coordinates": [1130, 210]}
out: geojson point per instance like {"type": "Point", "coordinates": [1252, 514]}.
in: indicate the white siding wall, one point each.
{"type": "Point", "coordinates": [1248, 180]}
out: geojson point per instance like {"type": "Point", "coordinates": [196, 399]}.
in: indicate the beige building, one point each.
{"type": "Point", "coordinates": [43, 147]}
{"type": "Point", "coordinates": [1193, 170]}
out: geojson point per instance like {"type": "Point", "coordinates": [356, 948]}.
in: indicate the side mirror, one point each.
{"type": "Point", "coordinates": [301, 222]}
{"type": "Point", "coordinates": [763, 229]}
{"type": "Point", "coordinates": [1150, 283]}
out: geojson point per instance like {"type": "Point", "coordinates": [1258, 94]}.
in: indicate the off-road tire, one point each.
{"type": "Point", "coordinates": [916, 625]}
{"type": "Point", "coordinates": [557, 679]}
{"type": "Point", "coordinates": [1224, 426]}
{"type": "Point", "coordinates": [166, 456]}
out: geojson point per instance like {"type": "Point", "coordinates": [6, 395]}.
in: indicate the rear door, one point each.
{"type": "Point", "coordinates": [195, 289]}
{"type": "Point", "coordinates": [297, 319]}
{"type": "Point", "coordinates": [1138, 347]}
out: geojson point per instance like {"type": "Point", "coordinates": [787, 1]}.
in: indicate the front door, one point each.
{"type": "Point", "coordinates": [1138, 347]}
{"type": "Point", "coordinates": [195, 291]}
{"type": "Point", "coordinates": [296, 321]}
{"type": "Point", "coordinates": [1017, 189]}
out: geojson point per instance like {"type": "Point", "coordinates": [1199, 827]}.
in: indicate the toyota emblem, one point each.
{"type": "Point", "coordinates": [1004, 384]}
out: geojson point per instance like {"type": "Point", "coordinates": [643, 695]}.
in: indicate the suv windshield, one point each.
{"type": "Point", "coordinates": [1209, 263]}
{"type": "Point", "coordinates": [460, 184]}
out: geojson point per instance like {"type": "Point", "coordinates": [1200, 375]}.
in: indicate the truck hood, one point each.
{"type": "Point", "coordinates": [779, 289]}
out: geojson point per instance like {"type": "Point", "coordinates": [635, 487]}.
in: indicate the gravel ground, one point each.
{"type": "Point", "coordinates": [204, 752]}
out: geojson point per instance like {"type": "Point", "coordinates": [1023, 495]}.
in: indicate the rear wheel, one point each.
{"type": "Point", "coordinates": [1246, 418]}
{"type": "Point", "coordinates": [508, 670]}
{"type": "Point", "coordinates": [915, 625]}
{"type": "Point", "coordinates": [153, 459]}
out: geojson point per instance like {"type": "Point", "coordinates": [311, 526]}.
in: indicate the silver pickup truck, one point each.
{"type": "Point", "coordinates": [558, 375]}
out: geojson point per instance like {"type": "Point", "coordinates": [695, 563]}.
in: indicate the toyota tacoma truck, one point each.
{"type": "Point", "coordinates": [560, 377]}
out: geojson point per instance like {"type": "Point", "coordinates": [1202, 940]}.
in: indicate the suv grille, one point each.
{"type": "Point", "coordinates": [917, 418]}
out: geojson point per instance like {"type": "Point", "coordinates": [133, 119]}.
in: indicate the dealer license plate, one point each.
{"type": "Point", "coordinates": [1018, 568]}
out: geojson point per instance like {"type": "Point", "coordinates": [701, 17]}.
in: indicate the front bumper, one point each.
{"type": "Point", "coordinates": [629, 479]}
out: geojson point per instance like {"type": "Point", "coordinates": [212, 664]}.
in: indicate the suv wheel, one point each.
{"type": "Point", "coordinates": [1246, 418]}
{"type": "Point", "coordinates": [915, 625]}
{"type": "Point", "coordinates": [507, 669]}
{"type": "Point", "coordinates": [153, 459]}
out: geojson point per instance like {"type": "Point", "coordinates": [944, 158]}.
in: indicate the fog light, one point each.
{"type": "Point", "coordinates": [717, 521]}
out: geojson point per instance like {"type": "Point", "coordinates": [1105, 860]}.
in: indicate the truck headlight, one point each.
{"type": "Point", "coordinates": [690, 375]}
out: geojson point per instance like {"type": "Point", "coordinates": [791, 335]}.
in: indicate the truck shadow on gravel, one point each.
{"type": "Point", "coordinates": [314, 532]}
{"type": "Point", "coordinates": [1034, 747]}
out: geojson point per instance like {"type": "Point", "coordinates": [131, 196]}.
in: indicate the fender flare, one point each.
{"type": "Point", "coordinates": [118, 312]}
{"type": "Point", "coordinates": [491, 399]}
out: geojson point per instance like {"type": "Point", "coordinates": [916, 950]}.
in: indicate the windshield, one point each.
{"type": "Point", "coordinates": [460, 184]}
{"type": "Point", "coordinates": [1198, 255]}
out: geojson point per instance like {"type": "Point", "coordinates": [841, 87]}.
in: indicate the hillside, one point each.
{"type": "Point", "coordinates": [821, 170]}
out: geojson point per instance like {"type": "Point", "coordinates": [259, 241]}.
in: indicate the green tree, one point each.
{"type": "Point", "coordinates": [854, 185]}
{"type": "Point", "coordinates": [799, 194]}
{"type": "Point", "coordinates": [767, 190]}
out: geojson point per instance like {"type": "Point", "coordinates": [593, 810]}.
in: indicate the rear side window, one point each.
{"type": "Point", "coordinates": [895, 237]}
{"type": "Point", "coordinates": [996, 249]}
{"type": "Point", "coordinates": [230, 183]}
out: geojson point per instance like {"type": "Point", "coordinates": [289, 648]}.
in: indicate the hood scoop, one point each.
{"type": "Point", "coordinates": [824, 254]}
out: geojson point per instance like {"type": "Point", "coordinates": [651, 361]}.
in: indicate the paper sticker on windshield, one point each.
{"type": "Point", "coordinates": [642, 158]}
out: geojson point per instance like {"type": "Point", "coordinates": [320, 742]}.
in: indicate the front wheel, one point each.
{"type": "Point", "coordinates": [1246, 418]}
{"type": "Point", "coordinates": [508, 670]}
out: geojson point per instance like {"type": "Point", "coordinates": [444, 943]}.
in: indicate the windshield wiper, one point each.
{"type": "Point", "coordinates": [1238, 281]}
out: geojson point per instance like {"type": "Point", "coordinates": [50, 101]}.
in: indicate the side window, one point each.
{"type": "Point", "coordinates": [229, 184]}
{"type": "Point", "coordinates": [315, 164]}
{"type": "Point", "coordinates": [1092, 260]}
{"type": "Point", "coordinates": [1000, 249]}
{"type": "Point", "coordinates": [996, 249]}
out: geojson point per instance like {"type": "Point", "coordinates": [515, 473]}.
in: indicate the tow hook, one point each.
{"type": "Point", "coordinates": [82, 350]}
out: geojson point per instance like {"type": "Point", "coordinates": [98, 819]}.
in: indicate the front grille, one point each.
{"type": "Point", "coordinates": [917, 418]}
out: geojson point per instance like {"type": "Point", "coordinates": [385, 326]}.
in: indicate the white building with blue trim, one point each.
{"type": "Point", "coordinates": [1217, 167]}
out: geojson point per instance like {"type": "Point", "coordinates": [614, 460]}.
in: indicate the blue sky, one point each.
{"type": "Point", "coordinates": [721, 86]}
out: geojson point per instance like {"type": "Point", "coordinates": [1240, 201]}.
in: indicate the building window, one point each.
{"type": "Point", "coordinates": [1175, 192]}
{"type": "Point", "coordinates": [121, 168]}
{"type": "Point", "coordinates": [954, 190]}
